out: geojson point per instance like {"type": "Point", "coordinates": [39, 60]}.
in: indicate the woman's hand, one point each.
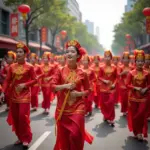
{"type": "Point", "coordinates": [20, 87]}
{"type": "Point", "coordinates": [70, 86]}
{"type": "Point", "coordinates": [106, 81]}
{"type": "Point", "coordinates": [137, 89]}
{"type": "Point", "coordinates": [143, 91]}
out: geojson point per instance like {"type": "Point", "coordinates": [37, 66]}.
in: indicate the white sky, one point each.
{"type": "Point", "coordinates": [105, 14]}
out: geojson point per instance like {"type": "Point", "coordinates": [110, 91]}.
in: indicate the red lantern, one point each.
{"type": "Point", "coordinates": [24, 9]}
{"type": "Point", "coordinates": [128, 36]}
{"type": "Point", "coordinates": [63, 34]}
{"type": "Point", "coordinates": [146, 13]}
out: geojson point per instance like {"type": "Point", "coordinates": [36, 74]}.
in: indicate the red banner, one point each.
{"type": "Point", "coordinates": [148, 24]}
{"type": "Point", "coordinates": [58, 41]}
{"type": "Point", "coordinates": [14, 24]}
{"type": "Point", "coordinates": [44, 34]}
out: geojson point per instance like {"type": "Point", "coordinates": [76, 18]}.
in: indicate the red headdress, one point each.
{"type": "Point", "coordinates": [96, 57]}
{"type": "Point", "coordinates": [33, 55]}
{"type": "Point", "coordinates": [86, 57]}
{"type": "Point", "coordinates": [82, 51]}
{"type": "Point", "coordinates": [23, 46]}
{"type": "Point", "coordinates": [115, 57]}
{"type": "Point", "coordinates": [108, 53]}
{"type": "Point", "coordinates": [147, 56]}
{"type": "Point", "coordinates": [11, 54]}
{"type": "Point", "coordinates": [139, 54]}
{"type": "Point", "coordinates": [126, 55]}
{"type": "Point", "coordinates": [47, 55]}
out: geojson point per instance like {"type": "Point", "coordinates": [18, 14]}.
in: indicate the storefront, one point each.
{"type": "Point", "coordinates": [7, 43]}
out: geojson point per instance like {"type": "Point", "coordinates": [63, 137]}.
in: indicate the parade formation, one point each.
{"type": "Point", "coordinates": [76, 81]}
{"type": "Point", "coordinates": [54, 69]}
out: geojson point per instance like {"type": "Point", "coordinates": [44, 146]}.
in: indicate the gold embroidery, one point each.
{"type": "Point", "coordinates": [139, 78]}
{"type": "Point", "coordinates": [19, 71]}
{"type": "Point", "coordinates": [108, 71]}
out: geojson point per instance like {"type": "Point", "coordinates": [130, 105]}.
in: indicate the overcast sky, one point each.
{"type": "Point", "coordinates": [105, 14]}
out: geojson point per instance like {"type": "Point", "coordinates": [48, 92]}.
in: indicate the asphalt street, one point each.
{"type": "Point", "coordinates": [105, 137]}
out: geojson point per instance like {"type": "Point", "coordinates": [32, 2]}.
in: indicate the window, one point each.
{"type": "Point", "coordinates": [4, 22]}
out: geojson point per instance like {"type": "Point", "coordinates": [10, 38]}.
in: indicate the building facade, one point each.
{"type": "Point", "coordinates": [130, 4]}
{"type": "Point", "coordinates": [74, 10]}
{"type": "Point", "coordinates": [7, 42]}
{"type": "Point", "coordinates": [98, 34]}
{"type": "Point", "coordinates": [90, 26]}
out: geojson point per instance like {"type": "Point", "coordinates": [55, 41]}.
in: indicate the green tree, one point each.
{"type": "Point", "coordinates": [38, 8]}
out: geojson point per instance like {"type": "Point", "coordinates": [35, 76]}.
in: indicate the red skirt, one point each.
{"type": "Point", "coordinates": [19, 119]}
{"type": "Point", "coordinates": [34, 96]}
{"type": "Point", "coordinates": [108, 105]}
{"type": "Point", "coordinates": [124, 100]}
{"type": "Point", "coordinates": [47, 95]}
{"type": "Point", "coordinates": [72, 128]}
{"type": "Point", "coordinates": [137, 118]}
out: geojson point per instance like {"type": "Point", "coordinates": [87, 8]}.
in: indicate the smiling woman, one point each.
{"type": "Point", "coordinates": [20, 77]}
{"type": "Point", "coordinates": [73, 85]}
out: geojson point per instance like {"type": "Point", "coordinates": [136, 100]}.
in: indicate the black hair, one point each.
{"type": "Point", "coordinates": [76, 50]}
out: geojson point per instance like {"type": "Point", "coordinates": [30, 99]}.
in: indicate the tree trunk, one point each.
{"type": "Point", "coordinates": [27, 35]}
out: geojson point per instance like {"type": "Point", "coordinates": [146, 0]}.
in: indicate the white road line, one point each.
{"type": "Point", "coordinates": [38, 142]}
{"type": "Point", "coordinates": [1, 111]}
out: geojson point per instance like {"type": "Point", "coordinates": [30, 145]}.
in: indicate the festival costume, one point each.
{"type": "Point", "coordinates": [138, 110]}
{"type": "Point", "coordinates": [107, 93]}
{"type": "Point", "coordinates": [70, 114]}
{"type": "Point", "coordinates": [19, 113]}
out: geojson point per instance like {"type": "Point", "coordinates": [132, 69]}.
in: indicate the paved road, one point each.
{"type": "Point", "coordinates": [106, 137]}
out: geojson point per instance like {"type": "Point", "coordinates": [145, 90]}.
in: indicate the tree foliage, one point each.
{"type": "Point", "coordinates": [132, 23]}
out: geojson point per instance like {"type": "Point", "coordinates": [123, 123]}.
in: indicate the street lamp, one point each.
{"type": "Point", "coordinates": [40, 36]}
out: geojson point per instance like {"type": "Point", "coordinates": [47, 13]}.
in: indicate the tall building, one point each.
{"type": "Point", "coordinates": [130, 4]}
{"type": "Point", "coordinates": [98, 34]}
{"type": "Point", "coordinates": [74, 10]}
{"type": "Point", "coordinates": [90, 26]}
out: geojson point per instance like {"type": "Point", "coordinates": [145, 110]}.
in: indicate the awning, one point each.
{"type": "Point", "coordinates": [36, 45]}
{"type": "Point", "coordinates": [7, 42]}
{"type": "Point", "coordinates": [145, 46]}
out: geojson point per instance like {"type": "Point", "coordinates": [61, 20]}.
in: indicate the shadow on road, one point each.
{"type": "Point", "coordinates": [103, 129]}
{"type": "Point", "coordinates": [50, 121]}
{"type": "Point", "coordinates": [133, 144]}
{"type": "Point", "coordinates": [40, 116]}
{"type": "Point", "coordinates": [3, 114]}
{"type": "Point", "coordinates": [12, 147]}
{"type": "Point", "coordinates": [122, 122]}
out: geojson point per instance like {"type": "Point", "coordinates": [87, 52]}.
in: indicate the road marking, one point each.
{"type": "Point", "coordinates": [38, 142]}
{"type": "Point", "coordinates": [1, 111]}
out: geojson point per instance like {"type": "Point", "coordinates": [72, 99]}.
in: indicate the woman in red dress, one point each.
{"type": "Point", "coordinates": [107, 77]}
{"type": "Point", "coordinates": [92, 78]}
{"type": "Point", "coordinates": [20, 78]}
{"type": "Point", "coordinates": [147, 68]}
{"type": "Point", "coordinates": [11, 57]}
{"type": "Point", "coordinates": [48, 71]}
{"type": "Point", "coordinates": [72, 84]}
{"type": "Point", "coordinates": [123, 72]}
{"type": "Point", "coordinates": [96, 68]}
{"type": "Point", "coordinates": [138, 82]}
{"type": "Point", "coordinates": [36, 87]}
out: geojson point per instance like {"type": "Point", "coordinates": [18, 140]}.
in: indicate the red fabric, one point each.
{"type": "Point", "coordinates": [137, 118]}
{"type": "Point", "coordinates": [124, 100]}
{"type": "Point", "coordinates": [149, 104]}
{"type": "Point", "coordinates": [72, 128]}
{"type": "Point", "coordinates": [34, 96]}
{"type": "Point", "coordinates": [88, 102]}
{"type": "Point", "coordinates": [107, 105]}
{"type": "Point", "coordinates": [19, 119]}
{"type": "Point", "coordinates": [46, 97]}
